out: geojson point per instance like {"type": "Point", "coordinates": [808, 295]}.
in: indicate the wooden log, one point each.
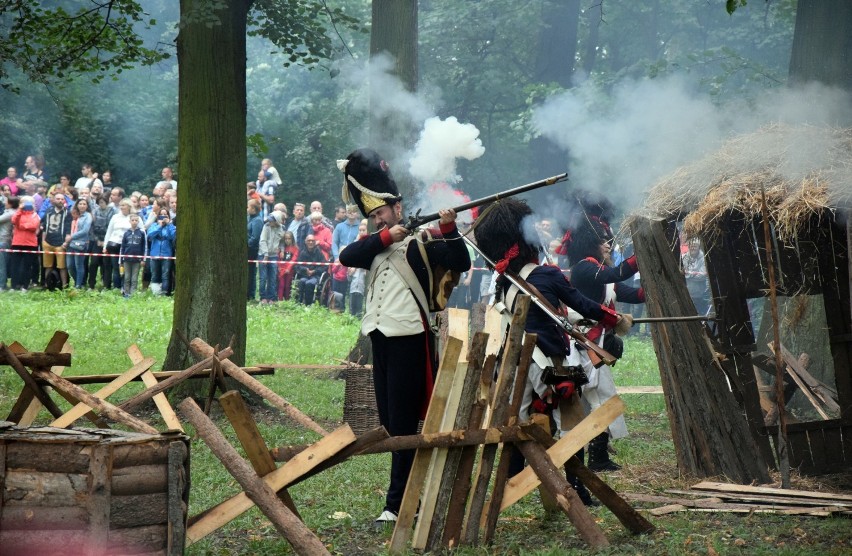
{"type": "Point", "coordinates": [493, 508]}
{"type": "Point", "coordinates": [598, 420]}
{"type": "Point", "coordinates": [99, 499]}
{"type": "Point", "coordinates": [26, 399]}
{"type": "Point", "coordinates": [141, 479]}
{"type": "Point", "coordinates": [302, 539]}
{"type": "Point", "coordinates": [24, 488]}
{"type": "Point", "coordinates": [626, 514]}
{"type": "Point", "coordinates": [35, 406]}
{"type": "Point", "coordinates": [39, 359]}
{"type": "Point", "coordinates": [138, 510]}
{"type": "Point", "coordinates": [202, 349]}
{"type": "Point", "coordinates": [362, 443]}
{"type": "Point", "coordinates": [134, 540]}
{"type": "Point", "coordinates": [81, 409]}
{"type": "Point", "coordinates": [159, 375]}
{"type": "Point", "coordinates": [451, 439]}
{"type": "Point", "coordinates": [252, 442]}
{"type": "Point", "coordinates": [711, 434]}
{"type": "Point", "coordinates": [165, 408]}
{"type": "Point", "coordinates": [45, 518]}
{"type": "Point", "coordinates": [462, 484]}
{"type": "Point", "coordinates": [174, 380]}
{"type": "Point", "coordinates": [42, 396]}
{"type": "Point", "coordinates": [434, 415]}
{"type": "Point", "coordinates": [104, 407]}
{"type": "Point", "coordinates": [499, 416]}
{"type": "Point", "coordinates": [208, 521]}
{"type": "Point", "coordinates": [566, 498]}
{"type": "Point", "coordinates": [469, 395]}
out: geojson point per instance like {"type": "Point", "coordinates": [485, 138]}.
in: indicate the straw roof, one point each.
{"type": "Point", "coordinates": [804, 170]}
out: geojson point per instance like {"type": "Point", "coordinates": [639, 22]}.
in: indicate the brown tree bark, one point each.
{"type": "Point", "coordinates": [822, 43]}
{"type": "Point", "coordinates": [211, 244]}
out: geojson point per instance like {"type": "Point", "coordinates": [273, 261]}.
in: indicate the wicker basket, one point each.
{"type": "Point", "coordinates": [359, 400]}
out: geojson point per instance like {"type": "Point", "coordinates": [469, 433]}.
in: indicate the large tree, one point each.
{"type": "Point", "coordinates": [822, 43]}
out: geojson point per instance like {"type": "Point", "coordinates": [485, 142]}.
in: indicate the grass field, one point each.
{"type": "Point", "coordinates": [339, 504]}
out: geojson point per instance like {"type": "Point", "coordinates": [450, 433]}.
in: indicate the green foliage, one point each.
{"type": "Point", "coordinates": [50, 44]}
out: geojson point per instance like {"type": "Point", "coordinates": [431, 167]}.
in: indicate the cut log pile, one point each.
{"type": "Point", "coordinates": [723, 497]}
{"type": "Point", "coordinates": [458, 486]}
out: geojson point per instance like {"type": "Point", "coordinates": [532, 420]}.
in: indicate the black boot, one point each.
{"type": "Point", "coordinates": [582, 492]}
{"type": "Point", "coordinates": [599, 455]}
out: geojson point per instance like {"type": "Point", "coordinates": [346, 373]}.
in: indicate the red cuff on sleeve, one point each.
{"type": "Point", "coordinates": [634, 265]}
{"type": "Point", "coordinates": [610, 317]}
{"type": "Point", "coordinates": [642, 295]}
{"type": "Point", "coordinates": [447, 228]}
{"type": "Point", "coordinates": [385, 236]}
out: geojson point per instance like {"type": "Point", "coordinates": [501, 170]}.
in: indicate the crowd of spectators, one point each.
{"type": "Point", "coordinates": [85, 232]}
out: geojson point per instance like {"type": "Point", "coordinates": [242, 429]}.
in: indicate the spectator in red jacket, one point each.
{"type": "Point", "coordinates": [25, 226]}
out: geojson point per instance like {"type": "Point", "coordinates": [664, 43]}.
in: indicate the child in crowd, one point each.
{"type": "Point", "coordinates": [270, 240]}
{"type": "Point", "coordinates": [288, 254]}
{"type": "Point", "coordinates": [134, 246]}
{"type": "Point", "coordinates": [357, 279]}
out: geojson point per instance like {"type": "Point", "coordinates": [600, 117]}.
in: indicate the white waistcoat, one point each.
{"type": "Point", "coordinates": [391, 307]}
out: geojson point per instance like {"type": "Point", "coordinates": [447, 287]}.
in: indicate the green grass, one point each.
{"type": "Point", "coordinates": [102, 325]}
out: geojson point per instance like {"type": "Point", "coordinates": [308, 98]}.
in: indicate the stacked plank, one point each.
{"type": "Point", "coordinates": [723, 497]}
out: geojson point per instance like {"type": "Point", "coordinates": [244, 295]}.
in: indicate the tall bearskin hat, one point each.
{"type": "Point", "coordinates": [367, 181]}
{"type": "Point", "coordinates": [591, 227]}
{"type": "Point", "coordinates": [505, 232]}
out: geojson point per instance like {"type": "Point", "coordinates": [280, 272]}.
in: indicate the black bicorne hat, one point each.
{"type": "Point", "coordinates": [367, 181]}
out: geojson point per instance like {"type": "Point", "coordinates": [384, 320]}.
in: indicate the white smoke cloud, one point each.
{"type": "Point", "coordinates": [441, 144]}
{"type": "Point", "coordinates": [623, 143]}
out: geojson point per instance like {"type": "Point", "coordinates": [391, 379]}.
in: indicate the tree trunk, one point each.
{"type": "Point", "coordinates": [210, 289]}
{"type": "Point", "coordinates": [822, 43]}
{"type": "Point", "coordinates": [395, 33]}
{"type": "Point", "coordinates": [554, 63]}
{"type": "Point", "coordinates": [594, 15]}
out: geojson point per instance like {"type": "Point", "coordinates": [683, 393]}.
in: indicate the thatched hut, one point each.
{"type": "Point", "coordinates": [803, 174]}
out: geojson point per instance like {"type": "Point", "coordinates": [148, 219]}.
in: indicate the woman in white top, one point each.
{"type": "Point", "coordinates": [118, 224]}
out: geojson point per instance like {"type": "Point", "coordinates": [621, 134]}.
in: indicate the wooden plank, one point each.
{"type": "Point", "coordinates": [252, 442]}
{"type": "Point", "coordinates": [745, 509]}
{"type": "Point", "coordinates": [159, 375]}
{"type": "Point", "coordinates": [499, 415]}
{"type": "Point", "coordinates": [226, 511]}
{"type": "Point", "coordinates": [160, 400]}
{"type": "Point", "coordinates": [797, 371]}
{"type": "Point", "coordinates": [495, 330]}
{"type": "Point", "coordinates": [432, 483]}
{"type": "Point", "coordinates": [598, 420]}
{"type": "Point", "coordinates": [434, 416]}
{"type": "Point", "coordinates": [458, 326]}
{"type": "Point", "coordinates": [747, 489]}
{"type": "Point", "coordinates": [492, 511]}
{"type": "Point", "coordinates": [81, 408]}
{"type": "Point", "coordinates": [302, 539]}
{"type": "Point", "coordinates": [768, 499]}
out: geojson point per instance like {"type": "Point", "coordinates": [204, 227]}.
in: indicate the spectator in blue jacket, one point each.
{"type": "Point", "coordinates": [78, 243]}
{"type": "Point", "coordinates": [161, 234]}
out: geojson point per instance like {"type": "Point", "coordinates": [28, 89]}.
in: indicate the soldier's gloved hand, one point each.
{"type": "Point", "coordinates": [564, 390]}
{"type": "Point", "coordinates": [625, 322]}
{"type": "Point", "coordinates": [540, 406]}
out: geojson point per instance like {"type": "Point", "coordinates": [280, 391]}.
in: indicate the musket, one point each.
{"type": "Point", "coordinates": [416, 219]}
{"type": "Point", "coordinates": [675, 319]}
{"type": "Point", "coordinates": [597, 354]}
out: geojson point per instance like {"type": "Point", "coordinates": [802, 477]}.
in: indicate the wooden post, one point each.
{"type": "Point", "coordinates": [98, 500]}
{"type": "Point", "coordinates": [213, 518]}
{"type": "Point", "coordinates": [434, 415]}
{"type": "Point", "coordinates": [104, 407]}
{"type": "Point", "coordinates": [12, 360]}
{"type": "Point", "coordinates": [625, 513]}
{"type": "Point", "coordinates": [710, 433]}
{"type": "Point", "coordinates": [202, 349]}
{"type": "Point", "coordinates": [249, 436]}
{"type": "Point", "coordinates": [499, 415]}
{"type": "Point", "coordinates": [297, 534]}
{"type": "Point", "coordinates": [81, 408]}
{"type": "Point", "coordinates": [506, 454]}
{"type": "Point", "coordinates": [566, 498]}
